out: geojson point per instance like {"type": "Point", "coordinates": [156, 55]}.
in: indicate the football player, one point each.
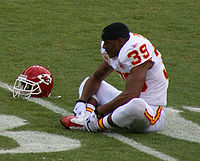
{"type": "Point", "coordinates": [140, 106]}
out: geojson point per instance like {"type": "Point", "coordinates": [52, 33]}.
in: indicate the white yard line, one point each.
{"type": "Point", "coordinates": [50, 106]}
{"type": "Point", "coordinates": [196, 109]}
{"type": "Point", "coordinates": [119, 137]}
{"type": "Point", "coordinates": [33, 141]}
{"type": "Point", "coordinates": [178, 127]}
{"type": "Point", "coordinates": [141, 147]}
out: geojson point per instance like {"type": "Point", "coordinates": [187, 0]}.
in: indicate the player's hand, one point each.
{"type": "Point", "coordinates": [91, 123]}
{"type": "Point", "coordinates": [80, 107]}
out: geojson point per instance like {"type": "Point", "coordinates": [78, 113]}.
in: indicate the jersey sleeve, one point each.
{"type": "Point", "coordinates": [102, 50]}
{"type": "Point", "coordinates": [104, 54]}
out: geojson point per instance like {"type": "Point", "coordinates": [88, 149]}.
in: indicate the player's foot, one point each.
{"type": "Point", "coordinates": [73, 122]}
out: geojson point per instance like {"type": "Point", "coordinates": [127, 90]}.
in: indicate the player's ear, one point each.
{"type": "Point", "coordinates": [121, 40]}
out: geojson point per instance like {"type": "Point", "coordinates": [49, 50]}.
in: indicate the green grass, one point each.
{"type": "Point", "coordinates": [64, 36]}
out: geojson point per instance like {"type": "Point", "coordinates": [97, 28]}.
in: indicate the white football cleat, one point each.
{"type": "Point", "coordinates": [73, 122]}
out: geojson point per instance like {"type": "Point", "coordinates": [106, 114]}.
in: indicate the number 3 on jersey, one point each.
{"type": "Point", "coordinates": [136, 56]}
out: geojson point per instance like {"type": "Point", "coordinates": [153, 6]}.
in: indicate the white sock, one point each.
{"type": "Point", "coordinates": [103, 123]}
{"type": "Point", "coordinates": [89, 109]}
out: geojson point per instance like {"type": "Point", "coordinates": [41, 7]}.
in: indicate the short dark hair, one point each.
{"type": "Point", "coordinates": [115, 31]}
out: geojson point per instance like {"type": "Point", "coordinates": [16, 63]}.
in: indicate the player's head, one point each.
{"type": "Point", "coordinates": [115, 31]}
{"type": "Point", "coordinates": [114, 37]}
{"type": "Point", "coordinates": [35, 81]}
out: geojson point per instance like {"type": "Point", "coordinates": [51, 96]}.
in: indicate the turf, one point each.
{"type": "Point", "coordinates": [64, 36]}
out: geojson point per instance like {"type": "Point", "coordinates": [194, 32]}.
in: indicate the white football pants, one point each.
{"type": "Point", "coordinates": [136, 115]}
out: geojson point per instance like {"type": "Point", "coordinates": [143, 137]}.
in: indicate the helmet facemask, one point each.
{"type": "Point", "coordinates": [25, 88]}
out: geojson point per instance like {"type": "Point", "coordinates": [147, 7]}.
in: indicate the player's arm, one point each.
{"type": "Point", "coordinates": [134, 85]}
{"type": "Point", "coordinates": [92, 84]}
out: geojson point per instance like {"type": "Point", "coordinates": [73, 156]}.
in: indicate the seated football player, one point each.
{"type": "Point", "coordinates": [140, 106]}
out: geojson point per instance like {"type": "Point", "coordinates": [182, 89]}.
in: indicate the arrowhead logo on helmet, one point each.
{"type": "Point", "coordinates": [45, 78]}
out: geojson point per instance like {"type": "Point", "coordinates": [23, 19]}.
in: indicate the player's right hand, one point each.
{"type": "Point", "coordinates": [80, 107]}
{"type": "Point", "coordinates": [91, 123]}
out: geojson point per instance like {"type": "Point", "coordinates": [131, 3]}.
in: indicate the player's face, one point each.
{"type": "Point", "coordinates": [112, 47]}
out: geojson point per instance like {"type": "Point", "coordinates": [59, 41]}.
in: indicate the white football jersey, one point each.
{"type": "Point", "coordinates": [136, 51]}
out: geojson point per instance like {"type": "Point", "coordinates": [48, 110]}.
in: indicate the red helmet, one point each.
{"type": "Point", "coordinates": [35, 81]}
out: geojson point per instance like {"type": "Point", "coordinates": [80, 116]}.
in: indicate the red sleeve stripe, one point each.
{"type": "Point", "coordinates": [150, 118]}
{"type": "Point", "coordinates": [165, 73]}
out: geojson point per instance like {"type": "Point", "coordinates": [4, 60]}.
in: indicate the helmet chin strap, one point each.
{"type": "Point", "coordinates": [55, 97]}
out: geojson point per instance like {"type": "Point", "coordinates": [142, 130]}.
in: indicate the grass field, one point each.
{"type": "Point", "coordinates": [64, 36]}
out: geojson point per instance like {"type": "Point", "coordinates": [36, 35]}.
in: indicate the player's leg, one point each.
{"type": "Point", "coordinates": [136, 115]}
{"type": "Point", "coordinates": [105, 93]}
{"type": "Point", "coordinates": [131, 115]}
{"type": "Point", "coordinates": [156, 121]}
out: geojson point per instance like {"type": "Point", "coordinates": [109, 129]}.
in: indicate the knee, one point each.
{"type": "Point", "coordinates": [83, 82]}
{"type": "Point", "coordinates": [130, 113]}
{"type": "Point", "coordinates": [82, 85]}
{"type": "Point", "coordinates": [136, 107]}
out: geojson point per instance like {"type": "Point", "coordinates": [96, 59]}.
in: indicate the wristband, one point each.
{"type": "Point", "coordinates": [81, 101]}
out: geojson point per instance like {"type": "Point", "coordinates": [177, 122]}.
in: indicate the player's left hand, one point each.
{"type": "Point", "coordinates": [91, 123]}
{"type": "Point", "coordinates": [79, 108]}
